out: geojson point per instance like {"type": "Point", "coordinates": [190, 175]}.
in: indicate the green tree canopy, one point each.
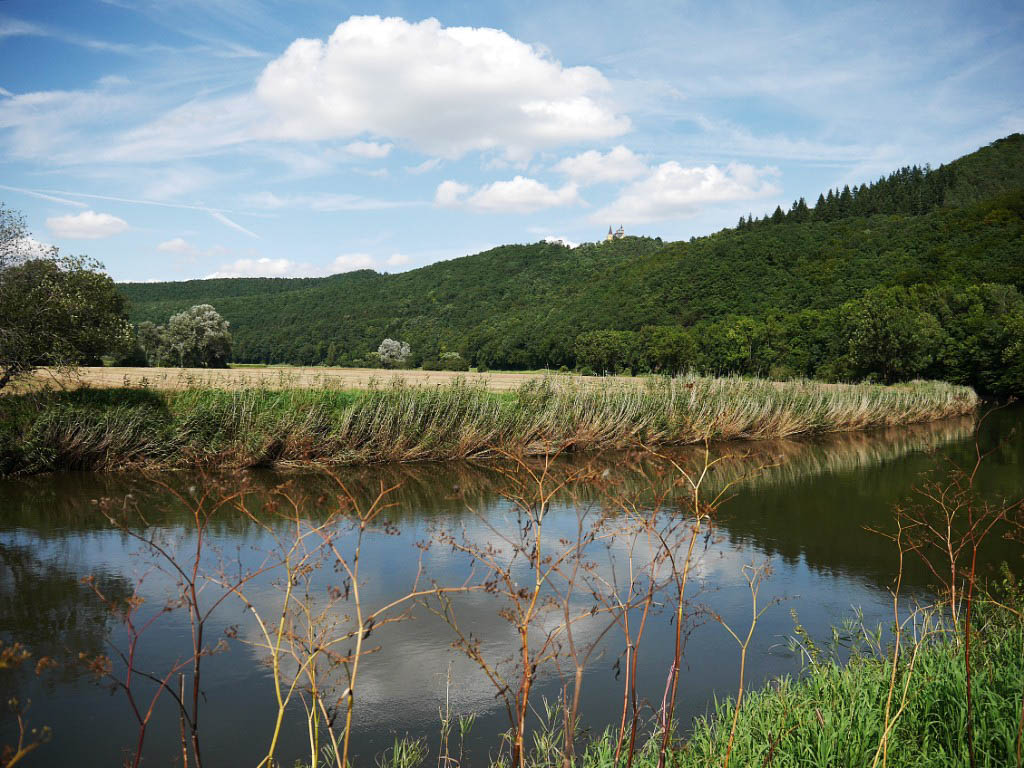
{"type": "Point", "coordinates": [55, 310]}
{"type": "Point", "coordinates": [196, 338]}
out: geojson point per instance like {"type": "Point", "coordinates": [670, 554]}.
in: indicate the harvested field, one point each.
{"type": "Point", "coordinates": [281, 378]}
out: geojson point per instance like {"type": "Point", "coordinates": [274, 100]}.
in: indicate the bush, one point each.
{"type": "Point", "coordinates": [446, 363]}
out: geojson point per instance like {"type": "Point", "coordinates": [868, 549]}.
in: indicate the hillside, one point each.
{"type": "Point", "coordinates": [524, 306]}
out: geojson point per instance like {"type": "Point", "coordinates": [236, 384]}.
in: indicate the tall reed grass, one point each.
{"type": "Point", "coordinates": [101, 429]}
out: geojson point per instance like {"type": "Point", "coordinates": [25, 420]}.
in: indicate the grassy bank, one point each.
{"type": "Point", "coordinates": [101, 429]}
{"type": "Point", "coordinates": [835, 714]}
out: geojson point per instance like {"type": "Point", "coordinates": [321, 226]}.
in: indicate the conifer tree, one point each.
{"type": "Point", "coordinates": [819, 208]}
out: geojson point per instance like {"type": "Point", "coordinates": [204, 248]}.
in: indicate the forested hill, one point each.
{"type": "Point", "coordinates": [524, 306]}
{"type": "Point", "coordinates": [914, 190]}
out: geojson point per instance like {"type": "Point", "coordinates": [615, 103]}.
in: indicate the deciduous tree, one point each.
{"type": "Point", "coordinates": [55, 310]}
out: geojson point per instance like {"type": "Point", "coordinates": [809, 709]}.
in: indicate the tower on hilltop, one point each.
{"type": "Point", "coordinates": [616, 235]}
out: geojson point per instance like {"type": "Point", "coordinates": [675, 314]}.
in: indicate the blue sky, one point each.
{"type": "Point", "coordinates": [173, 139]}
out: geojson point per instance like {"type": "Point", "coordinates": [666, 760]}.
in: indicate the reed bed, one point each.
{"type": "Point", "coordinates": [102, 429]}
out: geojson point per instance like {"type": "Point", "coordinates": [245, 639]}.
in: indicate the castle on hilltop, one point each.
{"type": "Point", "coordinates": [616, 235]}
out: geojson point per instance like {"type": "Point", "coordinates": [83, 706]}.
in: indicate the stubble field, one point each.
{"type": "Point", "coordinates": [281, 378]}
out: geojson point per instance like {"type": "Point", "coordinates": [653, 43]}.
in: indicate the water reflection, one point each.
{"type": "Point", "coordinates": [451, 487]}
{"type": "Point", "coordinates": [800, 506]}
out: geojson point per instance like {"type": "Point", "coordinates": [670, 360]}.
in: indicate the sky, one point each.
{"type": "Point", "coordinates": [183, 139]}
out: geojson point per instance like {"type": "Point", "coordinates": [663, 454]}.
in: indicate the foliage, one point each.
{"type": "Point", "coordinates": [55, 310]}
{"type": "Point", "coordinates": [833, 715]}
{"type": "Point", "coordinates": [886, 336]}
{"type": "Point", "coordinates": [913, 190]}
{"type": "Point", "coordinates": [393, 353]}
{"type": "Point", "coordinates": [448, 361]}
{"type": "Point", "coordinates": [196, 338]}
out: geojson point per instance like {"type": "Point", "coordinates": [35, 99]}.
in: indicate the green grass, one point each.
{"type": "Point", "coordinates": [834, 714]}
{"type": "Point", "coordinates": [101, 429]}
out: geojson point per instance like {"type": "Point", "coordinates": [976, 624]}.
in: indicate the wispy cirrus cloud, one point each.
{"type": "Point", "coordinates": [325, 202]}
{"type": "Point", "coordinates": [44, 196]}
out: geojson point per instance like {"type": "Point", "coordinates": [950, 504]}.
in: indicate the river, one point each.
{"type": "Point", "coordinates": [802, 508]}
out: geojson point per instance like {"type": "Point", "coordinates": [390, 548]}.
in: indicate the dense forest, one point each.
{"type": "Point", "coordinates": [917, 274]}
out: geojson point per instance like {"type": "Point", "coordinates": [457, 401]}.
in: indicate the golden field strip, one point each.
{"type": "Point", "coordinates": [317, 377]}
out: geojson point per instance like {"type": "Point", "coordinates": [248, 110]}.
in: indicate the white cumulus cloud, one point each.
{"type": "Point", "coordinates": [592, 167]}
{"type": "Point", "coordinates": [520, 195]}
{"type": "Point", "coordinates": [264, 267]}
{"type": "Point", "coordinates": [673, 191]}
{"type": "Point", "coordinates": [556, 240]}
{"type": "Point", "coordinates": [349, 262]}
{"type": "Point", "coordinates": [443, 90]}
{"type": "Point", "coordinates": [87, 225]}
{"type": "Point", "coordinates": [175, 245]}
{"type": "Point", "coordinates": [450, 193]}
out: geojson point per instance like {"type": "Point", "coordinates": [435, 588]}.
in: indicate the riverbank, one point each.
{"type": "Point", "coordinates": [836, 713]}
{"type": "Point", "coordinates": [115, 428]}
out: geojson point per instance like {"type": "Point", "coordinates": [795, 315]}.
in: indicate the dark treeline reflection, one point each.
{"type": "Point", "coordinates": [45, 605]}
{"type": "Point", "coordinates": [802, 507]}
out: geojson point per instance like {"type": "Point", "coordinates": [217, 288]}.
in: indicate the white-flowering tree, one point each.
{"type": "Point", "coordinates": [196, 338]}
{"type": "Point", "coordinates": [393, 353]}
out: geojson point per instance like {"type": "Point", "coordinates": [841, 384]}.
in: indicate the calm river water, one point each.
{"type": "Point", "coordinates": [805, 515]}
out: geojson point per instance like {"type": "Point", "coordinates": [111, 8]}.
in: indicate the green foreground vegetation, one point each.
{"type": "Point", "coordinates": [915, 276]}
{"type": "Point", "coordinates": [835, 713]}
{"type": "Point", "coordinates": [114, 428]}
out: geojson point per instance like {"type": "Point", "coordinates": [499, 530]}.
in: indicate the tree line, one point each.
{"type": "Point", "coordinates": [972, 335]}
{"type": "Point", "coordinates": [911, 190]}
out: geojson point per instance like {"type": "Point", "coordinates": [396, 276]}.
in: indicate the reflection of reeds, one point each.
{"type": "Point", "coordinates": [105, 429]}
{"type": "Point", "coordinates": [424, 488]}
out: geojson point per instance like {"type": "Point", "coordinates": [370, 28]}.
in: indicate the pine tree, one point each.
{"type": "Point", "coordinates": [845, 202]}
{"type": "Point", "coordinates": [819, 208]}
